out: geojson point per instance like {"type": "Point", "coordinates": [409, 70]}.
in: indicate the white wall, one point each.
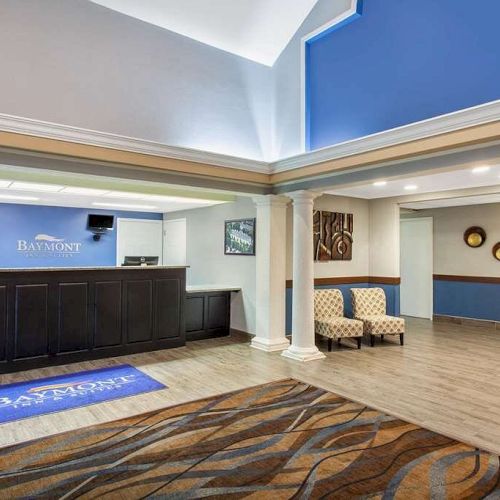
{"type": "Point", "coordinates": [359, 265]}
{"type": "Point", "coordinates": [76, 63]}
{"type": "Point", "coordinates": [451, 254]}
{"type": "Point", "coordinates": [209, 265]}
{"type": "Point", "coordinates": [384, 238]}
{"type": "Point", "coordinates": [374, 254]}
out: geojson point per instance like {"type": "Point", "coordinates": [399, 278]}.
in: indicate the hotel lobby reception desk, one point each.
{"type": "Point", "coordinates": [55, 316]}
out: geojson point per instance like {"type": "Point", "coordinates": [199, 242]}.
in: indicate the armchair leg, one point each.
{"type": "Point", "coordinates": [402, 338]}
{"type": "Point", "coordinates": [329, 345]}
{"type": "Point", "coordinates": [382, 338]}
{"type": "Point", "coordinates": [338, 342]}
{"type": "Point", "coordinates": [372, 340]}
{"type": "Point", "coordinates": [359, 342]}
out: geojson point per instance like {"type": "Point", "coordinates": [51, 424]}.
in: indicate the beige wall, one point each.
{"type": "Point", "coordinates": [359, 265]}
{"type": "Point", "coordinates": [451, 254]}
{"type": "Point", "coordinates": [384, 238]}
{"type": "Point", "coordinates": [209, 265]}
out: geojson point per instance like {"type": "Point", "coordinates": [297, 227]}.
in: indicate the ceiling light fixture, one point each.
{"type": "Point", "coordinates": [481, 170]}
{"type": "Point", "coordinates": [380, 183]}
{"type": "Point", "coordinates": [122, 205]}
{"type": "Point", "coordinates": [19, 198]}
{"type": "Point", "coordinates": [31, 186]}
{"type": "Point", "coordinates": [411, 187]}
{"type": "Point", "coordinates": [82, 191]}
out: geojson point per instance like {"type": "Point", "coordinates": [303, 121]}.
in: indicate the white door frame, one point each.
{"type": "Point", "coordinates": [430, 220]}
{"type": "Point", "coordinates": [118, 248]}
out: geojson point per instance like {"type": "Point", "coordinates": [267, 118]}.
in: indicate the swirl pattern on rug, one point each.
{"type": "Point", "coordinates": [285, 439]}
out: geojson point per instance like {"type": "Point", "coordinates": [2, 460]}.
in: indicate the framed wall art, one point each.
{"type": "Point", "coordinates": [332, 235]}
{"type": "Point", "coordinates": [239, 237]}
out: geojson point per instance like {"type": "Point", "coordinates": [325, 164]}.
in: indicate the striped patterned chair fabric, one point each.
{"type": "Point", "coordinates": [369, 306]}
{"type": "Point", "coordinates": [329, 320]}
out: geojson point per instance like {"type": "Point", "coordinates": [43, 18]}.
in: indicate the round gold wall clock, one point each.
{"type": "Point", "coordinates": [496, 251]}
{"type": "Point", "coordinates": [475, 236]}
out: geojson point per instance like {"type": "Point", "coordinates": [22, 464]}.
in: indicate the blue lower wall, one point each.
{"type": "Point", "coordinates": [391, 293]}
{"type": "Point", "coordinates": [20, 225]}
{"type": "Point", "coordinates": [467, 300]}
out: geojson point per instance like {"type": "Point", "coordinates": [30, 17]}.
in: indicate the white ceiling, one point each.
{"type": "Point", "coordinates": [19, 185]}
{"type": "Point", "coordinates": [453, 202]}
{"type": "Point", "coordinates": [255, 29]}
{"type": "Point", "coordinates": [428, 183]}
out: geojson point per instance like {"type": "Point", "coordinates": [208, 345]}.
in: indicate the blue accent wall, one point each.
{"type": "Point", "coordinates": [400, 62]}
{"type": "Point", "coordinates": [24, 222]}
{"type": "Point", "coordinates": [467, 300]}
{"type": "Point", "coordinates": [391, 293]}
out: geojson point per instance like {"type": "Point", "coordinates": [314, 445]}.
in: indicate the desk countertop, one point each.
{"type": "Point", "coordinates": [212, 288]}
{"type": "Point", "coordinates": [102, 268]}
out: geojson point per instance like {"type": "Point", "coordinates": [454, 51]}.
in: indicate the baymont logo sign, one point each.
{"type": "Point", "coordinates": [58, 392]}
{"type": "Point", "coordinates": [45, 245]}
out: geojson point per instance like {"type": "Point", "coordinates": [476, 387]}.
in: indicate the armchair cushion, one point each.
{"type": "Point", "coordinates": [336, 328]}
{"type": "Point", "coordinates": [383, 325]}
{"type": "Point", "coordinates": [368, 302]}
{"type": "Point", "coordinates": [328, 304]}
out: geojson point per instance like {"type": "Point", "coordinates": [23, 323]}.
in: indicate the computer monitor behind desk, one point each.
{"type": "Point", "coordinates": [140, 261]}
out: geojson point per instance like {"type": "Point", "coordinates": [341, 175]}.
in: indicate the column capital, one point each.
{"type": "Point", "coordinates": [268, 200]}
{"type": "Point", "coordinates": [303, 195]}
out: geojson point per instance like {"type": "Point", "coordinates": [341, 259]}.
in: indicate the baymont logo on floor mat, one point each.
{"type": "Point", "coordinates": [37, 397]}
{"type": "Point", "coordinates": [57, 392]}
{"type": "Point", "coordinates": [45, 245]}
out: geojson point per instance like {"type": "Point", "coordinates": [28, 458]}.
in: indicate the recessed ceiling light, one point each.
{"type": "Point", "coordinates": [31, 186]}
{"type": "Point", "coordinates": [81, 191]}
{"type": "Point", "coordinates": [481, 170]}
{"type": "Point", "coordinates": [125, 206]}
{"type": "Point", "coordinates": [380, 183]}
{"type": "Point", "coordinates": [411, 187]}
{"type": "Point", "coordinates": [19, 198]}
{"type": "Point", "coordinates": [5, 184]}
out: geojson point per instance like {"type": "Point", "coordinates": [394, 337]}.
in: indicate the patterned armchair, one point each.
{"type": "Point", "coordinates": [369, 306]}
{"type": "Point", "coordinates": [329, 318]}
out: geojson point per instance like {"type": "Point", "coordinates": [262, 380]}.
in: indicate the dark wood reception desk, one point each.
{"type": "Point", "coordinates": [54, 316]}
{"type": "Point", "coordinates": [208, 311]}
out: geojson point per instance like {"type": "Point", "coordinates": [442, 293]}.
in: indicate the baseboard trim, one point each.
{"type": "Point", "coordinates": [243, 333]}
{"type": "Point", "coordinates": [458, 320]}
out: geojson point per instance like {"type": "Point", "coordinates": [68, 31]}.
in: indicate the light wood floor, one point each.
{"type": "Point", "coordinates": [446, 378]}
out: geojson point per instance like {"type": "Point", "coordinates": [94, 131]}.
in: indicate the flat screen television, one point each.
{"type": "Point", "coordinates": [101, 222]}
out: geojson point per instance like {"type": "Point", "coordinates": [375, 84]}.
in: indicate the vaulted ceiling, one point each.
{"type": "Point", "coordinates": [255, 29]}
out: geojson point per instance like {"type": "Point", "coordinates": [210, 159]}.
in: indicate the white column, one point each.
{"type": "Point", "coordinates": [303, 347]}
{"type": "Point", "coordinates": [271, 273]}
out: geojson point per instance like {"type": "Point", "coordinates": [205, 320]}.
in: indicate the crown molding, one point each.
{"type": "Point", "coordinates": [38, 128]}
{"type": "Point", "coordinates": [463, 119]}
{"type": "Point", "coordinates": [470, 117]}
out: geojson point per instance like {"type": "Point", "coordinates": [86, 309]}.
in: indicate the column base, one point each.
{"type": "Point", "coordinates": [269, 345]}
{"type": "Point", "coordinates": [303, 353]}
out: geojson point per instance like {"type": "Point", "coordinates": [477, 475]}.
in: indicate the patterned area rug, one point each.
{"type": "Point", "coordinates": [286, 439]}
